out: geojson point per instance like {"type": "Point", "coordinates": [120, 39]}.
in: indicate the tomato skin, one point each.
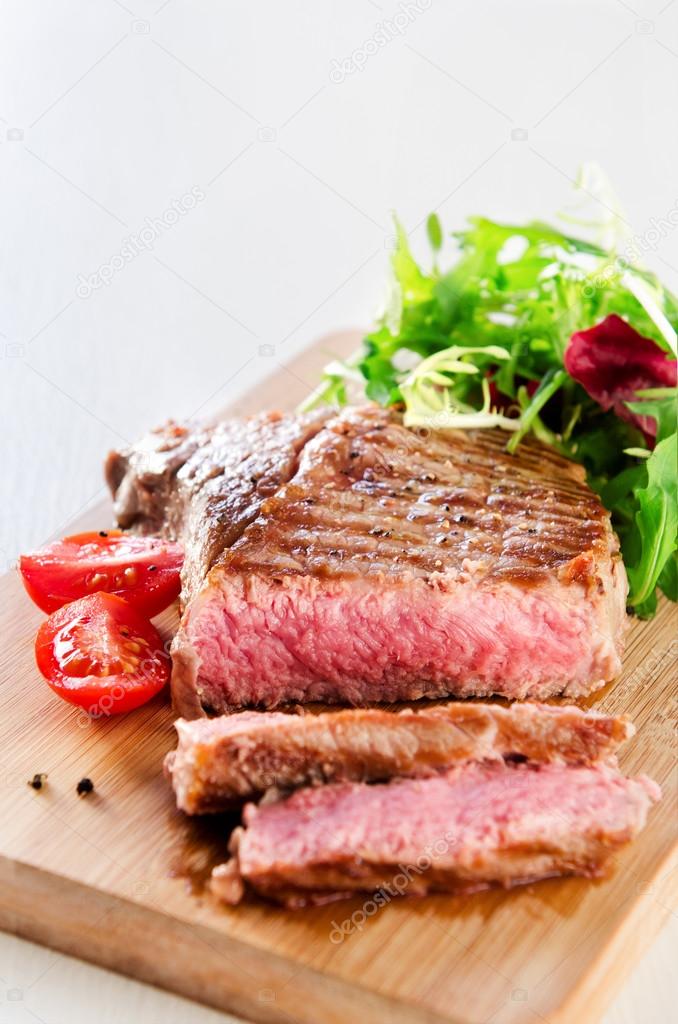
{"type": "Point", "coordinates": [102, 654]}
{"type": "Point", "coordinates": [143, 570]}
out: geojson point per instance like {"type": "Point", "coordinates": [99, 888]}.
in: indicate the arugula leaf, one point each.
{"type": "Point", "coordinates": [434, 232]}
{"type": "Point", "coordinates": [411, 282]}
{"type": "Point", "coordinates": [662, 405]}
{"type": "Point", "coordinates": [668, 580]}
{"type": "Point", "coordinates": [656, 520]}
{"type": "Point", "coordinates": [551, 381]}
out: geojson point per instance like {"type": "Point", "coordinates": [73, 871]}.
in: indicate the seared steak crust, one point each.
{"type": "Point", "coordinates": [202, 485]}
{"type": "Point", "coordinates": [225, 760]}
{"type": "Point", "coordinates": [471, 827]}
{"type": "Point", "coordinates": [142, 478]}
{"type": "Point", "coordinates": [373, 498]}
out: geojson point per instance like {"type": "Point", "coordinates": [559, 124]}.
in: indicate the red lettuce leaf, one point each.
{"type": "Point", "coordinates": [612, 362]}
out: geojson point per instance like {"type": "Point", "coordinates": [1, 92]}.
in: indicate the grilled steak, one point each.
{"type": "Point", "coordinates": [376, 563]}
{"type": "Point", "coordinates": [469, 828]}
{"type": "Point", "coordinates": [225, 760]}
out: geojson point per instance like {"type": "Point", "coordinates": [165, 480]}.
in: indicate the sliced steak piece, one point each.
{"type": "Point", "coordinates": [398, 564]}
{"type": "Point", "coordinates": [202, 485]}
{"type": "Point", "coordinates": [472, 827]}
{"type": "Point", "coordinates": [225, 760]}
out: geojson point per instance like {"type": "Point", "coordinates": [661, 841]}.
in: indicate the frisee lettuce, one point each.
{"type": "Point", "coordinates": [502, 315]}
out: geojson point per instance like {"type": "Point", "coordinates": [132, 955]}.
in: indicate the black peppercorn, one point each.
{"type": "Point", "coordinates": [84, 787]}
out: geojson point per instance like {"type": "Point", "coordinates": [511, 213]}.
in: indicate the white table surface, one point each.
{"type": "Point", "coordinates": [294, 129]}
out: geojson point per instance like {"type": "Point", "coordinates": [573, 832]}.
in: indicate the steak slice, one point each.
{"type": "Point", "coordinates": [474, 826]}
{"type": "Point", "coordinates": [397, 564]}
{"type": "Point", "coordinates": [225, 760]}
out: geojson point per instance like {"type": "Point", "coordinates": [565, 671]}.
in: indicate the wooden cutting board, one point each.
{"type": "Point", "coordinates": [118, 877]}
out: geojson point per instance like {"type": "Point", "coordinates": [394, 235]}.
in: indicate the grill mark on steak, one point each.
{"type": "Point", "coordinates": [470, 827]}
{"type": "Point", "coordinates": [225, 760]}
{"type": "Point", "coordinates": [204, 486]}
{"type": "Point", "coordinates": [357, 476]}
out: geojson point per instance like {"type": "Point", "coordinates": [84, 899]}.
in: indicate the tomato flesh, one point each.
{"type": "Point", "coordinates": [102, 654]}
{"type": "Point", "coordinates": [143, 570]}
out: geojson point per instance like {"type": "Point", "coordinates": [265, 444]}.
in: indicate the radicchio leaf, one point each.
{"type": "Point", "coordinates": [612, 362]}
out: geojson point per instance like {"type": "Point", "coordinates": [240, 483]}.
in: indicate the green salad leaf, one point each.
{"type": "Point", "coordinates": [481, 344]}
{"type": "Point", "coordinates": [656, 521]}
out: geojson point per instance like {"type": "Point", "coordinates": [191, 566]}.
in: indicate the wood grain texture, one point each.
{"type": "Point", "coordinates": [118, 877]}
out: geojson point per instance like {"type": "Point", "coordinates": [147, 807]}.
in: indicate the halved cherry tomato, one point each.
{"type": "Point", "coordinates": [102, 655]}
{"type": "Point", "coordinates": [143, 570]}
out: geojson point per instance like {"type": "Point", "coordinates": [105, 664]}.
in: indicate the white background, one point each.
{"type": "Point", "coordinates": [111, 111]}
